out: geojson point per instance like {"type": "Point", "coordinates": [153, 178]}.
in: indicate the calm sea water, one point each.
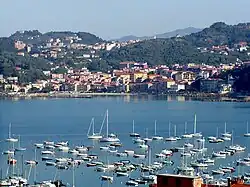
{"type": "Point", "coordinates": [68, 120]}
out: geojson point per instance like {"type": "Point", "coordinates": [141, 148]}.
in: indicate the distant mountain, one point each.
{"type": "Point", "coordinates": [181, 32]}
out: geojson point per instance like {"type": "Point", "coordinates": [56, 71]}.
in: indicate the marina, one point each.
{"type": "Point", "coordinates": [54, 146]}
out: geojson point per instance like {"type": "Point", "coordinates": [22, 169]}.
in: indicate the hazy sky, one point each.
{"type": "Point", "coordinates": [115, 18]}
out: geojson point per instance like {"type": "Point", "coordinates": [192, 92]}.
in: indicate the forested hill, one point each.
{"type": "Point", "coordinates": [188, 48]}
{"type": "Point", "coordinates": [36, 37]}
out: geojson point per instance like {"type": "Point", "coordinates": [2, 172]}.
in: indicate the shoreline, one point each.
{"type": "Point", "coordinates": [206, 97]}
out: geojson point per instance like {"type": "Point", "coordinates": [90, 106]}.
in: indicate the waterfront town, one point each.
{"type": "Point", "coordinates": [130, 77]}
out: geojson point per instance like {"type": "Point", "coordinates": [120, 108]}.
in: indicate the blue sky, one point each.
{"type": "Point", "coordinates": [115, 18]}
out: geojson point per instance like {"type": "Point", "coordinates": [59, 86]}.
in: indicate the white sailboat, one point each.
{"type": "Point", "coordinates": [19, 146]}
{"type": "Point", "coordinates": [10, 139]}
{"type": "Point", "coordinates": [93, 135]}
{"type": "Point", "coordinates": [156, 137]}
{"type": "Point", "coordinates": [185, 135]}
{"type": "Point", "coordinates": [170, 138]}
{"type": "Point", "coordinates": [196, 134]}
{"type": "Point", "coordinates": [134, 134]}
{"type": "Point", "coordinates": [147, 139]}
{"type": "Point", "coordinates": [226, 134]}
{"type": "Point", "coordinates": [247, 134]}
{"type": "Point", "coordinates": [109, 137]}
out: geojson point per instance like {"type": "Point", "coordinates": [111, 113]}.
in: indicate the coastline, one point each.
{"type": "Point", "coordinates": [206, 97]}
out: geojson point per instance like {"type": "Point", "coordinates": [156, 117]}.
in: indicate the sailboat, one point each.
{"type": "Point", "coordinates": [93, 135]}
{"type": "Point", "coordinates": [170, 138]}
{"type": "Point", "coordinates": [226, 134]}
{"type": "Point", "coordinates": [184, 169]}
{"type": "Point", "coordinates": [147, 139]}
{"type": "Point", "coordinates": [216, 139]}
{"type": "Point", "coordinates": [19, 146]}
{"type": "Point", "coordinates": [156, 137]}
{"type": "Point", "coordinates": [185, 135]}
{"type": "Point", "coordinates": [109, 137]}
{"type": "Point", "coordinates": [247, 134]}
{"type": "Point", "coordinates": [32, 162]}
{"type": "Point", "coordinates": [10, 139]}
{"type": "Point", "coordinates": [134, 134]}
{"type": "Point", "coordinates": [195, 126]}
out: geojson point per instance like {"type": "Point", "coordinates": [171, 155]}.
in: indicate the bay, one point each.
{"type": "Point", "coordinates": [38, 120]}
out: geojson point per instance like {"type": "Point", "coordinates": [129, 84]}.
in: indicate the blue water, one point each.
{"type": "Point", "coordinates": [68, 119]}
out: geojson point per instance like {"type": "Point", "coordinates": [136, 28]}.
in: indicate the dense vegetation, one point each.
{"type": "Point", "coordinates": [184, 50]}
{"type": "Point", "coordinates": [28, 69]}
{"type": "Point", "coordinates": [35, 37]}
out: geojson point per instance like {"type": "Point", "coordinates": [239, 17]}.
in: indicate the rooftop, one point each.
{"type": "Point", "coordinates": [179, 176]}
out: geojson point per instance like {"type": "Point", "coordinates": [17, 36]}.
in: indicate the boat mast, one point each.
{"type": "Point", "coordinates": [185, 128]}
{"type": "Point", "coordinates": [225, 128]}
{"type": "Point", "coordinates": [169, 129]}
{"type": "Point", "coordinates": [133, 126]}
{"type": "Point", "coordinates": [232, 138]}
{"type": "Point", "coordinates": [93, 130]}
{"type": "Point", "coordinates": [247, 127]}
{"type": "Point", "coordinates": [73, 182]}
{"type": "Point", "coordinates": [155, 127]}
{"type": "Point", "coordinates": [175, 130]}
{"type": "Point", "coordinates": [103, 121]}
{"type": "Point", "coordinates": [9, 130]}
{"type": "Point", "coordinates": [107, 133]}
{"type": "Point", "coordinates": [194, 123]}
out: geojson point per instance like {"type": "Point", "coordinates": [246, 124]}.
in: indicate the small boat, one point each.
{"type": "Point", "coordinates": [10, 139]}
{"type": "Point", "coordinates": [185, 135]}
{"type": "Point", "coordinates": [167, 152]}
{"type": "Point", "coordinates": [247, 134]}
{"type": "Point", "coordinates": [198, 164]}
{"type": "Point", "coordinates": [9, 152]}
{"type": "Point", "coordinates": [132, 183]}
{"type": "Point", "coordinates": [160, 155]}
{"type": "Point", "coordinates": [237, 148]}
{"type": "Point", "coordinates": [45, 158]}
{"type": "Point", "coordinates": [226, 134]}
{"type": "Point", "coordinates": [116, 144]}
{"type": "Point", "coordinates": [90, 164]}
{"type": "Point", "coordinates": [39, 145]}
{"type": "Point", "coordinates": [107, 178]}
{"type": "Point", "coordinates": [189, 145]}
{"type": "Point", "coordinates": [62, 160]}
{"type": "Point", "coordinates": [139, 140]}
{"type": "Point", "coordinates": [109, 137]}
{"type": "Point", "coordinates": [186, 154]}
{"type": "Point", "coordinates": [219, 155]}
{"type": "Point", "coordinates": [73, 151]}
{"type": "Point", "coordinates": [171, 139]}
{"type": "Point", "coordinates": [62, 167]}
{"type": "Point", "coordinates": [211, 138]}
{"type": "Point", "coordinates": [48, 143]}
{"type": "Point", "coordinates": [134, 134]}
{"type": "Point", "coordinates": [122, 174]}
{"type": "Point", "coordinates": [31, 162]}
{"type": "Point", "coordinates": [121, 154]}
{"type": "Point", "coordinates": [226, 138]}
{"type": "Point", "coordinates": [48, 163]}
{"type": "Point", "coordinates": [63, 149]}
{"type": "Point", "coordinates": [217, 172]}
{"type": "Point", "coordinates": [47, 152]}
{"type": "Point", "coordinates": [149, 177]}
{"type": "Point", "coordinates": [104, 148]}
{"type": "Point", "coordinates": [206, 160]}
{"type": "Point", "coordinates": [156, 137]}
{"type": "Point", "coordinates": [143, 146]}
{"type": "Point", "coordinates": [63, 143]}
{"type": "Point", "coordinates": [19, 148]}
{"type": "Point", "coordinates": [129, 152]}
{"type": "Point", "coordinates": [81, 148]}
{"type": "Point", "coordinates": [51, 147]}
{"type": "Point", "coordinates": [139, 156]}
